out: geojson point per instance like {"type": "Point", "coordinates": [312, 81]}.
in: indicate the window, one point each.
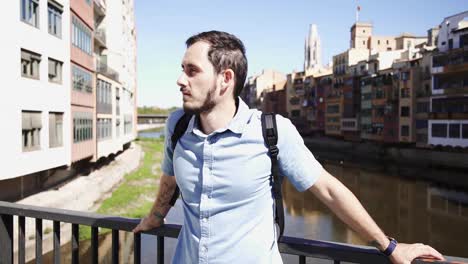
{"type": "Point", "coordinates": [82, 127]}
{"type": "Point", "coordinates": [333, 109]}
{"type": "Point", "coordinates": [404, 131]}
{"type": "Point", "coordinates": [295, 113]}
{"type": "Point", "coordinates": [439, 130]}
{"type": "Point", "coordinates": [30, 12]}
{"type": "Point", "coordinates": [82, 80]}
{"type": "Point", "coordinates": [450, 43]}
{"type": "Point", "coordinates": [31, 130]}
{"type": "Point", "coordinates": [378, 42]}
{"type": "Point", "coordinates": [30, 62]}
{"type": "Point", "coordinates": [117, 101]}
{"type": "Point", "coordinates": [421, 124]}
{"type": "Point", "coordinates": [55, 130]}
{"type": "Point", "coordinates": [405, 76]}
{"type": "Point", "coordinates": [464, 130]}
{"type": "Point", "coordinates": [405, 111]}
{"type": "Point", "coordinates": [388, 42]}
{"type": "Point", "coordinates": [379, 111]}
{"type": "Point", "coordinates": [454, 130]}
{"type": "Point", "coordinates": [117, 127]}
{"type": "Point", "coordinates": [104, 128]}
{"type": "Point", "coordinates": [128, 124]}
{"type": "Point", "coordinates": [54, 11]}
{"type": "Point", "coordinates": [104, 97]}
{"type": "Point", "coordinates": [81, 36]}
{"type": "Point", "coordinates": [422, 107]}
{"type": "Point", "coordinates": [405, 93]}
{"type": "Point", "coordinates": [55, 71]}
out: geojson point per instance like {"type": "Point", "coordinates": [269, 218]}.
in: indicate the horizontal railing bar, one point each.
{"type": "Point", "coordinates": [324, 249]}
{"type": "Point", "coordinates": [287, 245]}
{"type": "Point", "coordinates": [83, 218]}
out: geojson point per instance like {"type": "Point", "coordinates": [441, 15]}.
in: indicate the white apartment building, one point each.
{"type": "Point", "coordinates": [448, 120]}
{"type": "Point", "coordinates": [35, 72]}
{"type": "Point", "coordinates": [116, 76]}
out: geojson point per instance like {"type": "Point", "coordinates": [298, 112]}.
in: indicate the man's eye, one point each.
{"type": "Point", "coordinates": [191, 72]}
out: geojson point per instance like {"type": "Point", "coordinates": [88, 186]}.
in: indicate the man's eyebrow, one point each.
{"type": "Point", "coordinates": [189, 65]}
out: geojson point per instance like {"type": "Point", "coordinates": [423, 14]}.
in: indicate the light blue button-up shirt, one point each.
{"type": "Point", "coordinates": [224, 179]}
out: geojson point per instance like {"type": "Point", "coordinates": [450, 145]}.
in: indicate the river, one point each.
{"type": "Point", "coordinates": [410, 210]}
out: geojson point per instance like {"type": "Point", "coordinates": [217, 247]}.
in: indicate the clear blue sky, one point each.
{"type": "Point", "coordinates": [272, 31]}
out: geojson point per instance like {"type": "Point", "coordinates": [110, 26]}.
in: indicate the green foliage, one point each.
{"type": "Point", "coordinates": [135, 195]}
{"type": "Point", "coordinates": [155, 110]}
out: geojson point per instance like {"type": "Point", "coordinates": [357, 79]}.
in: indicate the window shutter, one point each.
{"type": "Point", "coordinates": [52, 68]}
{"type": "Point", "coordinates": [26, 121]}
{"type": "Point", "coordinates": [36, 120]}
{"type": "Point", "coordinates": [52, 131]}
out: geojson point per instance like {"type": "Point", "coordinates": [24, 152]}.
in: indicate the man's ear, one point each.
{"type": "Point", "coordinates": [227, 81]}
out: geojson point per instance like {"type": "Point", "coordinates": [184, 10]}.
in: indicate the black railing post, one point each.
{"type": "Point", "coordinates": [137, 248]}
{"type": "Point", "coordinates": [38, 240]}
{"type": "Point", "coordinates": [115, 246]}
{"type": "Point", "coordinates": [75, 244]}
{"type": "Point", "coordinates": [302, 259]}
{"type": "Point", "coordinates": [160, 250]}
{"type": "Point", "coordinates": [21, 240]}
{"type": "Point", "coordinates": [56, 242]}
{"type": "Point", "coordinates": [6, 239]}
{"type": "Point", "coordinates": [94, 245]}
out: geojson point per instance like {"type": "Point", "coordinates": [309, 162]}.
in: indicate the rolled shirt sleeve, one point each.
{"type": "Point", "coordinates": [294, 159]}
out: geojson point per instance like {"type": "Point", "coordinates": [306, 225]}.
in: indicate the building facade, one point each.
{"type": "Point", "coordinates": [448, 120]}
{"type": "Point", "coordinates": [36, 109]}
{"type": "Point", "coordinates": [53, 108]}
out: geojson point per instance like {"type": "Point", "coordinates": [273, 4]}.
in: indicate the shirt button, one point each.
{"type": "Point", "coordinates": [204, 249]}
{"type": "Point", "coordinates": [204, 220]}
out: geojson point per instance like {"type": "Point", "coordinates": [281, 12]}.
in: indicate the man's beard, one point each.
{"type": "Point", "coordinates": [207, 105]}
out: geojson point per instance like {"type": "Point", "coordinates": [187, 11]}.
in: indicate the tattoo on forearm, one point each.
{"type": "Point", "coordinates": [158, 215]}
{"type": "Point", "coordinates": [164, 197]}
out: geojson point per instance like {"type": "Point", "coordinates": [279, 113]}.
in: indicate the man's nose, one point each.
{"type": "Point", "coordinates": [182, 80]}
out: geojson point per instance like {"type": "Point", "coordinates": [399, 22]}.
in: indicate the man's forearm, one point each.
{"type": "Point", "coordinates": [348, 208]}
{"type": "Point", "coordinates": [162, 205]}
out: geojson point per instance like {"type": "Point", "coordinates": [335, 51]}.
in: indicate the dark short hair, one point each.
{"type": "Point", "coordinates": [226, 52]}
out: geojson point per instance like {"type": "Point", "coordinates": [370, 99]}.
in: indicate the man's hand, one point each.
{"type": "Point", "coordinates": [149, 222]}
{"type": "Point", "coordinates": [405, 253]}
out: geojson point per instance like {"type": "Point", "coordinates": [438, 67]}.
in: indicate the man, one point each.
{"type": "Point", "coordinates": [222, 168]}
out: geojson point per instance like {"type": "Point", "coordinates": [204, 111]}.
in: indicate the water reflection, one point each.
{"type": "Point", "coordinates": [412, 211]}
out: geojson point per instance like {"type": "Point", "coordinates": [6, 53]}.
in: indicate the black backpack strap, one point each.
{"type": "Point", "coordinates": [179, 130]}
{"type": "Point", "coordinates": [270, 135]}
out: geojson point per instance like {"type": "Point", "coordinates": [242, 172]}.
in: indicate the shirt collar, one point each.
{"type": "Point", "coordinates": [236, 125]}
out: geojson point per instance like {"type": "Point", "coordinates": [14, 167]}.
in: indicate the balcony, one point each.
{"type": "Point", "coordinates": [303, 248]}
{"type": "Point", "coordinates": [448, 116]}
{"type": "Point", "coordinates": [294, 100]}
{"type": "Point", "coordinates": [300, 91]}
{"type": "Point", "coordinates": [100, 38]}
{"type": "Point", "coordinates": [452, 61]}
{"type": "Point", "coordinates": [453, 87]}
{"type": "Point", "coordinates": [100, 8]}
{"type": "Point", "coordinates": [104, 69]}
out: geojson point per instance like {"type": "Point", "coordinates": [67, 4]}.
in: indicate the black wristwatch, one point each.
{"type": "Point", "coordinates": [391, 247]}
